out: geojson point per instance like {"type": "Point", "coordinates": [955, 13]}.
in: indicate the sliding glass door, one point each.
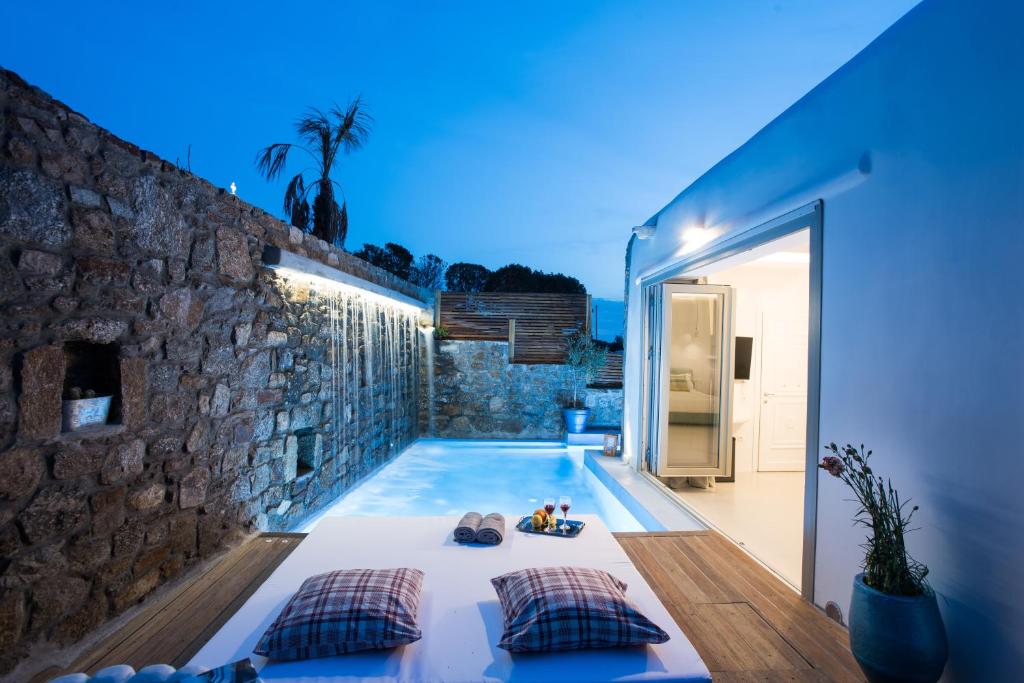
{"type": "Point", "coordinates": [690, 344]}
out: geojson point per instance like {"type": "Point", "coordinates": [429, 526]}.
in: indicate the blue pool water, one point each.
{"type": "Point", "coordinates": [439, 477]}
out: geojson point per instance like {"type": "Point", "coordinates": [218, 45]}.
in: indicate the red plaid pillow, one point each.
{"type": "Point", "coordinates": [569, 608]}
{"type": "Point", "coordinates": [346, 611]}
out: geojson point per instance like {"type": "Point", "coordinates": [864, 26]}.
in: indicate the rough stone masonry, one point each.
{"type": "Point", "coordinates": [479, 394]}
{"type": "Point", "coordinates": [224, 415]}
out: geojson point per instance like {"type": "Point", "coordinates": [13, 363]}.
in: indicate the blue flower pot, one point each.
{"type": "Point", "coordinates": [897, 637]}
{"type": "Point", "coordinates": [576, 419]}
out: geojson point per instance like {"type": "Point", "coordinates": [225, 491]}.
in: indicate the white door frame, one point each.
{"type": "Point", "coordinates": [726, 370]}
{"type": "Point", "coordinates": [808, 217]}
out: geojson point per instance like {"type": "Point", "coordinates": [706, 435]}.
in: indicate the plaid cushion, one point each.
{"type": "Point", "coordinates": [346, 611]}
{"type": "Point", "coordinates": [241, 671]}
{"type": "Point", "coordinates": [569, 608]}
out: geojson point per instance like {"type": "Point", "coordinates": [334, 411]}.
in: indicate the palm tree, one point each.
{"type": "Point", "coordinates": [323, 135]}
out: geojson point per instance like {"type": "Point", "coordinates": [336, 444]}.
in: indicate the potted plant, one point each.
{"type": "Point", "coordinates": [896, 631]}
{"type": "Point", "coordinates": [584, 360]}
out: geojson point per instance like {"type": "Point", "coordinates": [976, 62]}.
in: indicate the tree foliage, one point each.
{"type": "Point", "coordinates": [392, 257]}
{"type": "Point", "coordinates": [466, 277]}
{"type": "Point", "coordinates": [519, 278]}
{"type": "Point", "coordinates": [611, 346]}
{"type": "Point", "coordinates": [324, 138]}
{"type": "Point", "coordinates": [429, 271]}
{"type": "Point", "coordinates": [432, 272]}
{"type": "Point", "coordinates": [584, 359]}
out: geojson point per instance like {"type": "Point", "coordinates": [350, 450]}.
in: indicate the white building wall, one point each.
{"type": "Point", "coordinates": [923, 301]}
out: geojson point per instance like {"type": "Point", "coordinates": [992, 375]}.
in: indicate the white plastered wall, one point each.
{"type": "Point", "coordinates": [916, 148]}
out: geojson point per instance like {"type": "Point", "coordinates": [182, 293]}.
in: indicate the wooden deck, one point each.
{"type": "Point", "coordinates": [178, 624]}
{"type": "Point", "coordinates": [745, 623]}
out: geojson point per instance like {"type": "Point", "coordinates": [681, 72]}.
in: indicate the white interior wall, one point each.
{"type": "Point", "coordinates": [917, 150]}
{"type": "Point", "coordinates": [760, 289]}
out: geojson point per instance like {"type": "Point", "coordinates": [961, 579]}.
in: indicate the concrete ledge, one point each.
{"type": "Point", "coordinates": [592, 436]}
{"type": "Point", "coordinates": [653, 508]}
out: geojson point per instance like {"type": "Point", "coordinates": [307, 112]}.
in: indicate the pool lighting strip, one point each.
{"type": "Point", "coordinates": [299, 268]}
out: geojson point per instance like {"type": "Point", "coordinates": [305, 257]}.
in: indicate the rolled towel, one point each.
{"type": "Point", "coordinates": [465, 530]}
{"type": "Point", "coordinates": [492, 529]}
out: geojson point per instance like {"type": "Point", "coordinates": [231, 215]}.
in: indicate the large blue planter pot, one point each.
{"type": "Point", "coordinates": [897, 638]}
{"type": "Point", "coordinates": [576, 419]}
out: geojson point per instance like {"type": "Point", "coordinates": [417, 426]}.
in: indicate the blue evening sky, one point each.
{"type": "Point", "coordinates": [536, 132]}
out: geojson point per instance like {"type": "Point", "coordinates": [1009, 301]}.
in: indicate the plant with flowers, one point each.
{"type": "Point", "coordinates": [887, 565]}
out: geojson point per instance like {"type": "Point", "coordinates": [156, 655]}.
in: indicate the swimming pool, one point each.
{"type": "Point", "coordinates": [441, 477]}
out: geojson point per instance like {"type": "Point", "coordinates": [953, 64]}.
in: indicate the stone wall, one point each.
{"type": "Point", "coordinates": [478, 394]}
{"type": "Point", "coordinates": [237, 404]}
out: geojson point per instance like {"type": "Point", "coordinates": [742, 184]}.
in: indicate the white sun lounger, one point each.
{"type": "Point", "coordinates": [460, 616]}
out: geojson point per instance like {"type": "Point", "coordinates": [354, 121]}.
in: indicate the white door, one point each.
{"type": "Point", "coordinates": [692, 371]}
{"type": "Point", "coordinates": [783, 422]}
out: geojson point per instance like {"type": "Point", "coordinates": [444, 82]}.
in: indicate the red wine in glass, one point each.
{"type": "Point", "coordinates": [549, 505]}
{"type": "Point", "coordinates": [564, 502]}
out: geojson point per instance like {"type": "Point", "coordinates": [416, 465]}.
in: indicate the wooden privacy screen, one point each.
{"type": "Point", "coordinates": [534, 325]}
{"type": "Point", "coordinates": [610, 376]}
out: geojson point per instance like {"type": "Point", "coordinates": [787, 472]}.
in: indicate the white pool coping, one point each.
{"type": "Point", "coordinates": [653, 507]}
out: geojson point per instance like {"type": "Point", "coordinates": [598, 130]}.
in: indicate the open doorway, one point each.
{"type": "Point", "coordinates": [731, 401]}
{"type": "Point", "coordinates": [760, 505]}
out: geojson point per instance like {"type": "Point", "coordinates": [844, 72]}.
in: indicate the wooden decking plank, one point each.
{"type": "Point", "coordinates": [795, 610]}
{"type": "Point", "coordinates": [800, 623]}
{"type": "Point", "coordinates": [285, 547]}
{"type": "Point", "coordinates": [113, 646]}
{"type": "Point", "coordinates": [684, 589]}
{"type": "Point", "coordinates": [736, 638]}
{"type": "Point", "coordinates": [700, 572]}
{"type": "Point", "coordinates": [164, 618]}
{"type": "Point", "coordinates": [772, 586]}
{"type": "Point", "coordinates": [667, 590]}
{"type": "Point", "coordinates": [168, 643]}
{"type": "Point", "coordinates": [754, 624]}
{"type": "Point", "coordinates": [707, 566]}
{"type": "Point", "coordinates": [795, 619]}
{"type": "Point", "coordinates": [729, 636]}
{"type": "Point", "coordinates": [169, 630]}
{"type": "Point", "coordinates": [803, 676]}
{"type": "Point", "coordinates": [657, 534]}
{"type": "Point", "coordinates": [693, 584]}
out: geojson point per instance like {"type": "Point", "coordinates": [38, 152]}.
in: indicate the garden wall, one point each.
{"type": "Point", "coordinates": [478, 394]}
{"type": "Point", "coordinates": [237, 405]}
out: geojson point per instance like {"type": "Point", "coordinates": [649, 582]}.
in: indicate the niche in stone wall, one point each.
{"type": "Point", "coordinates": [92, 386]}
{"type": "Point", "coordinates": [310, 445]}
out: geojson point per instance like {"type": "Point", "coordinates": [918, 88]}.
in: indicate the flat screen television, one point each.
{"type": "Point", "coordinates": [744, 348]}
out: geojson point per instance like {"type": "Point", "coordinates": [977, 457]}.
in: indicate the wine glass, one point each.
{"type": "Point", "coordinates": [565, 502]}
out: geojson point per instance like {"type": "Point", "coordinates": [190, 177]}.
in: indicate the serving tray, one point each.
{"type": "Point", "coordinates": [575, 527]}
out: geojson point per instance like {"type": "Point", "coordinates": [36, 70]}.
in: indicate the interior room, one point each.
{"type": "Point", "coordinates": [760, 506]}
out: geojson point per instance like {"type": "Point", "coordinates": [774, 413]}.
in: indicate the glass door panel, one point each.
{"type": "Point", "coordinates": [695, 381]}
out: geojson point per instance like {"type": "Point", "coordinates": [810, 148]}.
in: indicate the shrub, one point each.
{"type": "Point", "coordinates": [888, 567]}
